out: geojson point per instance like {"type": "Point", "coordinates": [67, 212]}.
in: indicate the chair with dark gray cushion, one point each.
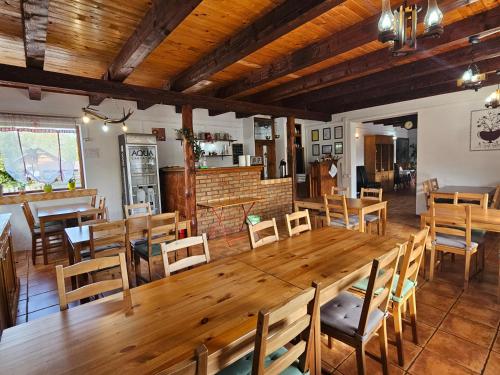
{"type": "Point", "coordinates": [374, 195]}
{"type": "Point", "coordinates": [336, 213]}
{"type": "Point", "coordinates": [354, 320]}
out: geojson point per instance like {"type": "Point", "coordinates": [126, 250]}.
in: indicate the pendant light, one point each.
{"type": "Point", "coordinates": [386, 23]}
{"type": "Point", "coordinates": [472, 78]}
{"type": "Point", "coordinates": [433, 21]}
{"type": "Point", "coordinates": [493, 100]}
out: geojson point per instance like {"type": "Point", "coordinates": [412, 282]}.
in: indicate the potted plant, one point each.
{"type": "Point", "coordinates": [187, 135]}
{"type": "Point", "coordinates": [71, 184]}
{"type": "Point", "coordinates": [47, 188]}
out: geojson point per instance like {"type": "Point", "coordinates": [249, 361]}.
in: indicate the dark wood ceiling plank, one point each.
{"type": "Point", "coordinates": [142, 105]}
{"type": "Point", "coordinates": [13, 76]}
{"type": "Point", "coordinates": [271, 26]}
{"type": "Point", "coordinates": [442, 62]}
{"type": "Point", "coordinates": [35, 93]}
{"type": "Point", "coordinates": [35, 15]}
{"type": "Point", "coordinates": [160, 20]}
{"type": "Point", "coordinates": [432, 84]}
{"type": "Point", "coordinates": [96, 100]}
{"type": "Point", "coordinates": [350, 38]}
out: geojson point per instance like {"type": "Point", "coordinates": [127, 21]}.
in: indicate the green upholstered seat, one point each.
{"type": "Point", "coordinates": [142, 249]}
{"type": "Point", "coordinates": [243, 366]}
{"type": "Point", "coordinates": [407, 286]}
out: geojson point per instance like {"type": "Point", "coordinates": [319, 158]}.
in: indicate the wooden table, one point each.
{"type": "Point", "coordinates": [360, 207]}
{"type": "Point", "coordinates": [467, 190]}
{"type": "Point", "coordinates": [221, 204]}
{"type": "Point", "coordinates": [160, 323]}
{"type": "Point", "coordinates": [58, 213]}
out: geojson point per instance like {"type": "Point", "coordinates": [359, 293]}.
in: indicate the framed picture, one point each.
{"type": "Point", "coordinates": [326, 149]}
{"type": "Point", "coordinates": [159, 133]}
{"type": "Point", "coordinates": [339, 148]}
{"type": "Point", "coordinates": [485, 130]}
{"type": "Point", "coordinates": [315, 149]}
{"type": "Point", "coordinates": [338, 132]}
{"type": "Point", "coordinates": [315, 135]}
{"type": "Point", "coordinates": [327, 134]}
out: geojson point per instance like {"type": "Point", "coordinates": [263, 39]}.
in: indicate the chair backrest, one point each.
{"type": "Point", "coordinates": [451, 220]}
{"type": "Point", "coordinates": [495, 203]}
{"type": "Point", "coordinates": [336, 207]}
{"type": "Point", "coordinates": [162, 228]}
{"type": "Point", "coordinates": [93, 200]}
{"type": "Point", "coordinates": [480, 200]}
{"type": "Point", "coordinates": [93, 216]}
{"type": "Point", "coordinates": [434, 184]}
{"type": "Point", "coordinates": [444, 197]}
{"type": "Point", "coordinates": [189, 261]}
{"type": "Point", "coordinates": [197, 365]}
{"type": "Point", "coordinates": [427, 188]}
{"type": "Point", "coordinates": [28, 214]}
{"type": "Point", "coordinates": [295, 218]}
{"type": "Point", "coordinates": [91, 289]}
{"type": "Point", "coordinates": [379, 287]}
{"type": "Point", "coordinates": [254, 229]}
{"type": "Point", "coordinates": [277, 327]}
{"type": "Point", "coordinates": [371, 194]}
{"type": "Point", "coordinates": [138, 209]}
{"type": "Point", "coordinates": [107, 238]}
{"type": "Point", "coordinates": [413, 254]}
{"type": "Point", "coordinates": [339, 190]}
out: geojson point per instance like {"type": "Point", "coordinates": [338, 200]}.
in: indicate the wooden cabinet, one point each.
{"type": "Point", "coordinates": [379, 160]}
{"type": "Point", "coordinates": [9, 283]}
{"type": "Point", "coordinates": [320, 181]}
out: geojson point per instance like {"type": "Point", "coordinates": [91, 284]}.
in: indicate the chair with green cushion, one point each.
{"type": "Point", "coordinates": [355, 321]}
{"type": "Point", "coordinates": [279, 327]}
{"type": "Point", "coordinates": [404, 288]}
{"type": "Point", "coordinates": [337, 214]}
{"type": "Point", "coordinates": [160, 228]}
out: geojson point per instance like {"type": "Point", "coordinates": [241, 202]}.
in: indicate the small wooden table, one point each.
{"type": "Point", "coordinates": [58, 213]}
{"type": "Point", "coordinates": [221, 204]}
{"type": "Point", "coordinates": [467, 190]}
{"type": "Point", "coordinates": [361, 207]}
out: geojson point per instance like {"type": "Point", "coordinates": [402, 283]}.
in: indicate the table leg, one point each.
{"type": "Point", "coordinates": [45, 249]}
{"type": "Point", "coordinates": [245, 214]}
{"type": "Point", "coordinates": [69, 249]}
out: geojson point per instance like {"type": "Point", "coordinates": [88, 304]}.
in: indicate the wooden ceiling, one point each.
{"type": "Point", "coordinates": [313, 55]}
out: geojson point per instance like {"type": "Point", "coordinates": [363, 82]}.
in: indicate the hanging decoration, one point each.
{"type": "Point", "coordinates": [400, 28]}
{"type": "Point", "coordinates": [493, 100]}
{"type": "Point", "coordinates": [90, 113]}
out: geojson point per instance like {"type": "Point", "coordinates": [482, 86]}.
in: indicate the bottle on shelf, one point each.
{"type": "Point", "coordinates": [141, 195]}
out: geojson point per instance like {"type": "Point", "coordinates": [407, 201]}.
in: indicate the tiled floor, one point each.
{"type": "Point", "coordinates": [458, 331]}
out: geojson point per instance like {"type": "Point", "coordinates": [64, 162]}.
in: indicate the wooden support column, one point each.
{"type": "Point", "coordinates": [189, 170]}
{"type": "Point", "coordinates": [291, 153]}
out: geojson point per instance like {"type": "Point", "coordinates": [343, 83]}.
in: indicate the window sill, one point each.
{"type": "Point", "coordinates": [16, 198]}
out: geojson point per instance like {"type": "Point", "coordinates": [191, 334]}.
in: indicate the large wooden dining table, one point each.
{"type": "Point", "coordinates": [360, 207]}
{"type": "Point", "coordinates": [152, 327]}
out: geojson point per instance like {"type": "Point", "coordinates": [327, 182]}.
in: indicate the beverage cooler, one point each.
{"type": "Point", "coordinates": [139, 165]}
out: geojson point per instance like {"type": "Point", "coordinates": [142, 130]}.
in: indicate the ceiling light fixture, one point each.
{"type": "Point", "coordinates": [433, 21]}
{"type": "Point", "coordinates": [472, 78]}
{"type": "Point", "coordinates": [90, 113]}
{"type": "Point", "coordinates": [493, 100]}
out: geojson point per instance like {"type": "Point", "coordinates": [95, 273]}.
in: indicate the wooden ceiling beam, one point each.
{"type": "Point", "coordinates": [160, 20]}
{"type": "Point", "coordinates": [213, 113]}
{"type": "Point", "coordinates": [142, 105]}
{"type": "Point", "coordinates": [95, 100]}
{"type": "Point", "coordinates": [35, 16]}
{"type": "Point", "coordinates": [35, 93]}
{"type": "Point", "coordinates": [13, 76]}
{"type": "Point", "coordinates": [271, 26]}
{"type": "Point", "coordinates": [350, 38]}
{"type": "Point", "coordinates": [432, 84]}
{"type": "Point", "coordinates": [442, 62]}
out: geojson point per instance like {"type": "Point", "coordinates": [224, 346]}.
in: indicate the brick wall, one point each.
{"type": "Point", "coordinates": [277, 195]}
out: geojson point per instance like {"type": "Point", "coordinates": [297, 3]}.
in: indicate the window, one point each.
{"type": "Point", "coordinates": [31, 157]}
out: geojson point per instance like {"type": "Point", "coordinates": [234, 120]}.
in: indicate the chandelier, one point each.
{"type": "Point", "coordinates": [90, 113]}
{"type": "Point", "coordinates": [400, 28]}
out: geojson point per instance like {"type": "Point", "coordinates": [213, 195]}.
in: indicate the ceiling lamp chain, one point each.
{"type": "Point", "coordinates": [400, 28]}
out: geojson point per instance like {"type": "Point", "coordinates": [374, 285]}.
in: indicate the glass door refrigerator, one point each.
{"type": "Point", "coordinates": [139, 165]}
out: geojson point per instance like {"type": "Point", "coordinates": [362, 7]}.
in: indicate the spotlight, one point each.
{"type": "Point", "coordinates": [105, 128]}
{"type": "Point", "coordinates": [85, 119]}
{"type": "Point", "coordinates": [124, 128]}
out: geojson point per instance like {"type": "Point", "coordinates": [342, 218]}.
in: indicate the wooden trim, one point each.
{"type": "Point", "coordinates": [80, 157]}
{"type": "Point", "coordinates": [37, 197]}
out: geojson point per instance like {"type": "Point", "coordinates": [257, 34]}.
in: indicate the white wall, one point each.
{"type": "Point", "coordinates": [443, 139]}
{"type": "Point", "coordinates": [101, 157]}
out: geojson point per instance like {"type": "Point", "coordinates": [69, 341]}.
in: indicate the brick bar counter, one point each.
{"type": "Point", "coordinates": [230, 182]}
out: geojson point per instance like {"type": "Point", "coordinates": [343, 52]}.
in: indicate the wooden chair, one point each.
{"type": "Point", "coordinates": [427, 191]}
{"type": "Point", "coordinates": [299, 228]}
{"type": "Point", "coordinates": [198, 365]}
{"type": "Point", "coordinates": [434, 184]}
{"type": "Point", "coordinates": [480, 200]}
{"type": "Point", "coordinates": [93, 289]}
{"type": "Point", "coordinates": [370, 219]}
{"type": "Point", "coordinates": [189, 261]}
{"type": "Point", "coordinates": [138, 209]}
{"type": "Point", "coordinates": [355, 321]}
{"type": "Point", "coordinates": [443, 197]}
{"type": "Point", "coordinates": [91, 217]}
{"type": "Point", "coordinates": [102, 205]}
{"type": "Point", "coordinates": [452, 233]}
{"type": "Point", "coordinates": [404, 288]}
{"type": "Point", "coordinates": [495, 203]}
{"type": "Point", "coordinates": [93, 200]}
{"type": "Point", "coordinates": [254, 229]}
{"type": "Point", "coordinates": [276, 350]}
{"type": "Point", "coordinates": [339, 191]}
{"type": "Point", "coordinates": [160, 228]}
{"type": "Point", "coordinates": [53, 230]}
{"type": "Point", "coordinates": [336, 213]}
{"type": "Point", "coordinates": [107, 239]}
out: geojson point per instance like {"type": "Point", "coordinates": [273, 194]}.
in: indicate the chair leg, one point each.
{"type": "Point", "coordinates": [330, 342]}
{"type": "Point", "coordinates": [413, 315]}
{"type": "Point", "coordinates": [382, 336]}
{"type": "Point", "coordinates": [361, 359]}
{"type": "Point", "coordinates": [398, 330]}
{"type": "Point", "coordinates": [33, 249]}
{"type": "Point", "coordinates": [150, 269]}
{"type": "Point", "coordinates": [432, 264]}
{"type": "Point", "coordinates": [467, 269]}
{"type": "Point", "coordinates": [137, 266]}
